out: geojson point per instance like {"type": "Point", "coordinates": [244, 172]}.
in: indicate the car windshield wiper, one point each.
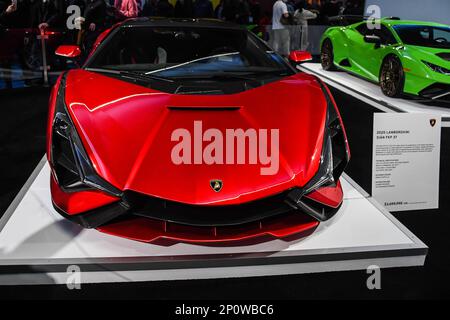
{"type": "Point", "coordinates": [220, 76]}
{"type": "Point", "coordinates": [131, 74]}
{"type": "Point", "coordinates": [191, 62]}
{"type": "Point", "coordinates": [278, 72]}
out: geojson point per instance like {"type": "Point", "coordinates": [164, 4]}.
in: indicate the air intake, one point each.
{"type": "Point", "coordinates": [444, 55]}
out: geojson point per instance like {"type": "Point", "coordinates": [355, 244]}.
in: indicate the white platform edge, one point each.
{"type": "Point", "coordinates": [104, 271]}
{"type": "Point", "coordinates": [380, 102]}
{"type": "Point", "coordinates": [210, 273]}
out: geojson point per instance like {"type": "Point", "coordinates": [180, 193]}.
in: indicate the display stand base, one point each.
{"type": "Point", "coordinates": [37, 246]}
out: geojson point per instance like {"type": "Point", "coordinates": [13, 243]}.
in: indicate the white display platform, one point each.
{"type": "Point", "coordinates": [37, 245]}
{"type": "Point", "coordinates": [371, 93]}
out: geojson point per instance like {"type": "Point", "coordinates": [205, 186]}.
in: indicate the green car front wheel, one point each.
{"type": "Point", "coordinates": [327, 56]}
{"type": "Point", "coordinates": [392, 77]}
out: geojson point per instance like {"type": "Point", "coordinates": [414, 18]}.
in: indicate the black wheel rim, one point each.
{"type": "Point", "coordinates": [327, 55]}
{"type": "Point", "coordinates": [391, 77]}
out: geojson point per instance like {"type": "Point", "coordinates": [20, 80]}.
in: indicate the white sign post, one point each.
{"type": "Point", "coordinates": [405, 161]}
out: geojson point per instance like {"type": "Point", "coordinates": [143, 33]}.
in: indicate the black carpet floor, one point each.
{"type": "Point", "coordinates": [22, 145]}
{"type": "Point", "coordinates": [23, 119]}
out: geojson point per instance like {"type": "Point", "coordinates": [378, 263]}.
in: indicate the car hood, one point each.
{"type": "Point", "coordinates": [127, 132]}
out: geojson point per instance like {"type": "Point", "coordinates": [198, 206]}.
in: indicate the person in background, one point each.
{"type": "Point", "coordinates": [354, 7]}
{"type": "Point", "coordinates": [255, 11]}
{"type": "Point", "coordinates": [290, 6]}
{"type": "Point", "coordinates": [6, 11]}
{"type": "Point", "coordinates": [149, 9]}
{"type": "Point", "coordinates": [341, 7]}
{"type": "Point", "coordinates": [292, 27]}
{"type": "Point", "coordinates": [203, 9]}
{"type": "Point", "coordinates": [229, 10]}
{"type": "Point", "coordinates": [164, 9]}
{"type": "Point", "coordinates": [243, 12]}
{"type": "Point", "coordinates": [141, 5]}
{"type": "Point", "coordinates": [218, 11]}
{"type": "Point", "coordinates": [295, 31]}
{"type": "Point", "coordinates": [94, 15]}
{"type": "Point", "coordinates": [126, 9]}
{"type": "Point", "coordinates": [316, 8]}
{"type": "Point", "coordinates": [281, 40]}
{"type": "Point", "coordinates": [44, 14]}
{"type": "Point", "coordinates": [61, 7]}
{"type": "Point", "coordinates": [265, 25]}
{"type": "Point", "coordinates": [314, 5]}
{"type": "Point", "coordinates": [184, 9]}
{"type": "Point", "coordinates": [301, 17]}
{"type": "Point", "coordinates": [331, 8]}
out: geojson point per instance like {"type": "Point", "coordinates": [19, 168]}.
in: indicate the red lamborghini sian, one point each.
{"type": "Point", "coordinates": [193, 131]}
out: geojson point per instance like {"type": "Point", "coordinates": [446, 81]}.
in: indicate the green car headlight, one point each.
{"type": "Point", "coordinates": [437, 68]}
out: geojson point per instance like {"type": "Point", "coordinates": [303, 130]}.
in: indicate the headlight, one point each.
{"type": "Point", "coordinates": [334, 158]}
{"type": "Point", "coordinates": [437, 68]}
{"type": "Point", "coordinates": [71, 165]}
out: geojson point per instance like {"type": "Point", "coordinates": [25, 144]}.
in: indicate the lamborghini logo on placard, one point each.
{"type": "Point", "coordinates": [433, 122]}
{"type": "Point", "coordinates": [216, 184]}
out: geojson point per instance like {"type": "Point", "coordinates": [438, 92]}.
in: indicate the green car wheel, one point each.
{"type": "Point", "coordinates": [392, 77]}
{"type": "Point", "coordinates": [326, 56]}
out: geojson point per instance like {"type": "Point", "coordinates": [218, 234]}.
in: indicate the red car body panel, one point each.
{"type": "Point", "coordinates": [127, 131]}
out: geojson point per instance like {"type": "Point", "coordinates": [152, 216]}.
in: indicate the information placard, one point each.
{"type": "Point", "coordinates": [405, 161]}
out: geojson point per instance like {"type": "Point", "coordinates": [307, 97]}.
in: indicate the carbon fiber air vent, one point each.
{"type": "Point", "coordinates": [444, 55]}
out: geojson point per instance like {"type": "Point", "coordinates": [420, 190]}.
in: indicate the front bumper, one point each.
{"type": "Point", "coordinates": [425, 83]}
{"type": "Point", "coordinates": [148, 219]}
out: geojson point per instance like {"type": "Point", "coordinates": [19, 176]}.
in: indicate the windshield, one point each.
{"type": "Point", "coordinates": [424, 36]}
{"type": "Point", "coordinates": [177, 52]}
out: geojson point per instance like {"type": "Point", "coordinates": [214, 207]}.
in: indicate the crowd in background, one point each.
{"type": "Point", "coordinates": [52, 13]}
{"type": "Point", "coordinates": [96, 15]}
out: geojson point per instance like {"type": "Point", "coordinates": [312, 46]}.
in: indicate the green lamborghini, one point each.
{"type": "Point", "coordinates": [404, 57]}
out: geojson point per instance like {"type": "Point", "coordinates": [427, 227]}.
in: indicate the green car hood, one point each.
{"type": "Point", "coordinates": [429, 55]}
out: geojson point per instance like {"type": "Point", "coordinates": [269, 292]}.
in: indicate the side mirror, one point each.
{"type": "Point", "coordinates": [68, 51]}
{"type": "Point", "coordinates": [298, 56]}
{"type": "Point", "coordinates": [372, 39]}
